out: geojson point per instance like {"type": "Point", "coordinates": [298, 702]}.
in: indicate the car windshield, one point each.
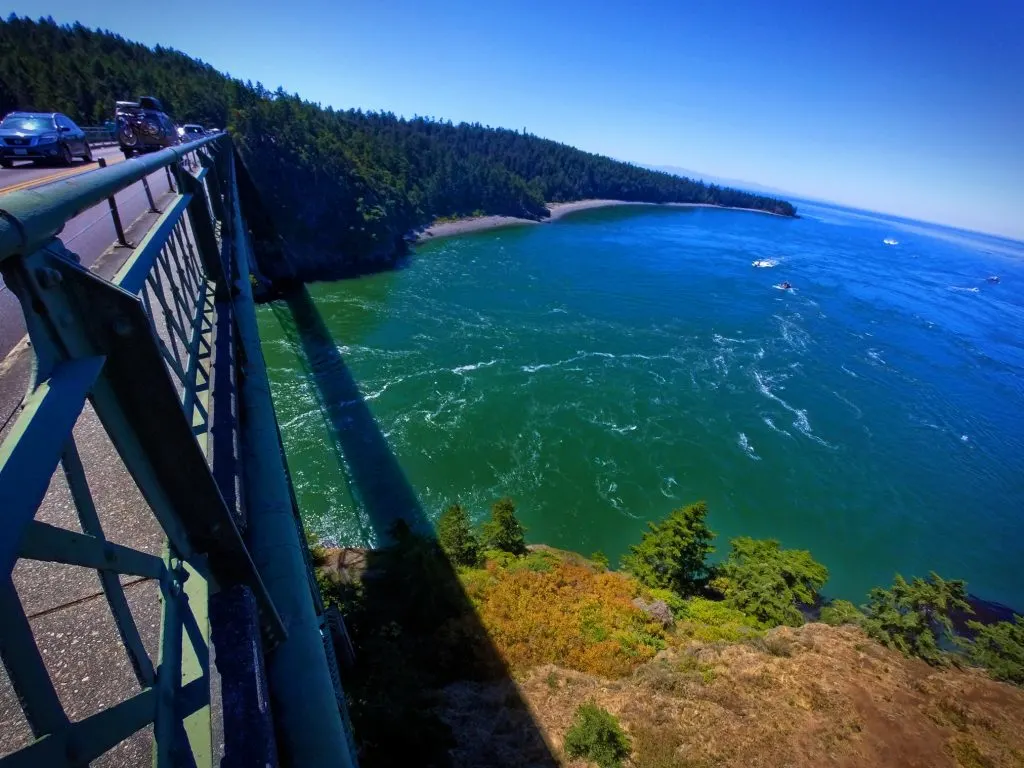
{"type": "Point", "coordinates": [28, 124]}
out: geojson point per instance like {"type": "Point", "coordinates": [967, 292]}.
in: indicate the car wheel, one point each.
{"type": "Point", "coordinates": [5, 163]}
{"type": "Point", "coordinates": [65, 155]}
{"type": "Point", "coordinates": [88, 153]}
{"type": "Point", "coordinates": [128, 153]}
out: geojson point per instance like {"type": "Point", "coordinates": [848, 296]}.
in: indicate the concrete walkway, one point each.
{"type": "Point", "coordinates": [66, 607]}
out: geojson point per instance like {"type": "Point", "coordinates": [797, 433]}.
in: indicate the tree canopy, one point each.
{"type": "Point", "coordinates": [910, 617]}
{"type": "Point", "coordinates": [672, 553]}
{"type": "Point", "coordinates": [504, 531]}
{"type": "Point", "coordinates": [343, 187]}
{"type": "Point", "coordinates": [768, 582]}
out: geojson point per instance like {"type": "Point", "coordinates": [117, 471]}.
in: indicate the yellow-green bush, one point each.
{"type": "Point", "coordinates": [542, 610]}
{"type": "Point", "coordinates": [710, 621]}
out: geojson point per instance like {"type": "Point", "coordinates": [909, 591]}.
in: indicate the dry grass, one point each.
{"type": "Point", "coordinates": [832, 697]}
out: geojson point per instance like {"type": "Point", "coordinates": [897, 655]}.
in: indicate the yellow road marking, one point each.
{"type": "Point", "coordinates": [56, 176]}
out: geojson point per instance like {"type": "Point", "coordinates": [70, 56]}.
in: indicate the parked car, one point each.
{"type": "Point", "coordinates": [191, 132]}
{"type": "Point", "coordinates": [143, 126]}
{"type": "Point", "coordinates": [41, 136]}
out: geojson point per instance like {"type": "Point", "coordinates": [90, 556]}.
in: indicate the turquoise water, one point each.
{"type": "Point", "coordinates": [611, 366]}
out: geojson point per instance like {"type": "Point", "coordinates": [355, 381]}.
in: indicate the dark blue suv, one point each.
{"type": "Point", "coordinates": [41, 136]}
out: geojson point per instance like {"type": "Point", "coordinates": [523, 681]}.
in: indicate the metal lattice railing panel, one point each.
{"type": "Point", "coordinates": [123, 654]}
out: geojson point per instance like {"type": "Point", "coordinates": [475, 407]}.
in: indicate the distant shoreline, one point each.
{"type": "Point", "coordinates": [558, 210]}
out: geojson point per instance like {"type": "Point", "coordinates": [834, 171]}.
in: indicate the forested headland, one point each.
{"type": "Point", "coordinates": [342, 187]}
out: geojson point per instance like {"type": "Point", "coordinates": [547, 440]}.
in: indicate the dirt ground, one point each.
{"type": "Point", "coordinates": [813, 696]}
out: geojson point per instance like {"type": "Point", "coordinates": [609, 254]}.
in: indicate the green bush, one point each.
{"type": "Point", "coordinates": [600, 559]}
{"type": "Point", "coordinates": [671, 554]}
{"type": "Point", "coordinates": [675, 603]}
{"type": "Point", "coordinates": [504, 531]}
{"type": "Point", "coordinates": [1000, 649]}
{"type": "Point", "coordinates": [839, 612]}
{"type": "Point", "coordinates": [596, 735]}
{"type": "Point", "coordinates": [768, 582]}
{"type": "Point", "coordinates": [910, 616]}
{"type": "Point", "coordinates": [712, 621]}
{"type": "Point", "coordinates": [456, 537]}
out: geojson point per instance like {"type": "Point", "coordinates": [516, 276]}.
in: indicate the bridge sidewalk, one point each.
{"type": "Point", "coordinates": [69, 615]}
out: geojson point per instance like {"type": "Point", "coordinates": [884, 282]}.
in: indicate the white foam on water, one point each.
{"type": "Point", "coordinates": [474, 367]}
{"type": "Point", "coordinates": [800, 420]}
{"type": "Point", "coordinates": [965, 290]}
{"type": "Point", "coordinates": [875, 355]}
{"type": "Point", "coordinates": [764, 263]}
{"type": "Point", "coordinates": [744, 443]}
{"type": "Point", "coordinates": [771, 424]}
{"type": "Point", "coordinates": [858, 411]}
{"type": "Point", "coordinates": [847, 370]}
{"type": "Point", "coordinates": [793, 334]}
{"type": "Point", "coordinates": [580, 355]}
{"type": "Point", "coordinates": [666, 487]}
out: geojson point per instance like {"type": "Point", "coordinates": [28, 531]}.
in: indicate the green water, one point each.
{"type": "Point", "coordinates": [609, 367]}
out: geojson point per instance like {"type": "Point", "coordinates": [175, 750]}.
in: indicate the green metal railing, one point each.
{"type": "Point", "coordinates": [139, 348]}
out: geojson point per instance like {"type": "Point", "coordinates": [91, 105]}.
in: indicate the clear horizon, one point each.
{"type": "Point", "coordinates": [913, 111]}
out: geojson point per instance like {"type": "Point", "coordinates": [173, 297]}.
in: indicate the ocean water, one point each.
{"type": "Point", "coordinates": [611, 366]}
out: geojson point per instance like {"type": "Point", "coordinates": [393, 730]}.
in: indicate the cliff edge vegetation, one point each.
{"type": "Point", "coordinates": [670, 661]}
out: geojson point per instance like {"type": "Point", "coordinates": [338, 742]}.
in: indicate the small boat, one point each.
{"type": "Point", "coordinates": [890, 241]}
{"type": "Point", "coordinates": [993, 278]}
{"type": "Point", "coordinates": [763, 263]}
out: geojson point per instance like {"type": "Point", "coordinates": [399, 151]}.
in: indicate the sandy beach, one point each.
{"type": "Point", "coordinates": [558, 211]}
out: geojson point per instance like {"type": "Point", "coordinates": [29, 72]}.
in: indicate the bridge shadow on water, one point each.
{"type": "Point", "coordinates": [420, 646]}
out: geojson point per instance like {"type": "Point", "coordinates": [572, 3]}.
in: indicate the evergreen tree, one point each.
{"type": "Point", "coordinates": [672, 553]}
{"type": "Point", "coordinates": [910, 617]}
{"type": "Point", "coordinates": [767, 582]}
{"type": "Point", "coordinates": [343, 187]}
{"type": "Point", "coordinates": [1000, 649]}
{"type": "Point", "coordinates": [456, 537]}
{"type": "Point", "coordinates": [504, 531]}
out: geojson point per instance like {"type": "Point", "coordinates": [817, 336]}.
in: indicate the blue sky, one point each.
{"type": "Point", "coordinates": [913, 108]}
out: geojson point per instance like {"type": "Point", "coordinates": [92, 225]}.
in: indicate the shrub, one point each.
{"type": "Point", "coordinates": [839, 612]}
{"type": "Point", "coordinates": [567, 615]}
{"type": "Point", "coordinates": [767, 582]}
{"type": "Point", "coordinates": [317, 551]}
{"type": "Point", "coordinates": [1000, 649]}
{"type": "Point", "coordinates": [671, 554]}
{"type": "Point", "coordinates": [455, 535]}
{"type": "Point", "coordinates": [909, 617]}
{"type": "Point", "coordinates": [596, 735]}
{"type": "Point", "coordinates": [504, 531]}
{"type": "Point", "coordinates": [540, 561]}
{"type": "Point", "coordinates": [600, 559]}
{"type": "Point", "coordinates": [711, 621]}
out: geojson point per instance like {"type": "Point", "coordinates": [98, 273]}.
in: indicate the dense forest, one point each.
{"type": "Point", "coordinates": [342, 187]}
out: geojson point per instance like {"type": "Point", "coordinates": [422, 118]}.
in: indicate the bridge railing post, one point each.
{"type": "Point", "coordinates": [203, 228]}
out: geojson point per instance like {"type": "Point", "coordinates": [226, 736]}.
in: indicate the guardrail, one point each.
{"type": "Point", "coordinates": [100, 136]}
{"type": "Point", "coordinates": [140, 349]}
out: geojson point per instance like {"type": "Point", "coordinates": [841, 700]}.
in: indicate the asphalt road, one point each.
{"type": "Point", "coordinates": [89, 234]}
{"type": "Point", "coordinates": [25, 175]}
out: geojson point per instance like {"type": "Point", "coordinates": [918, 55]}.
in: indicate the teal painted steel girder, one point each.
{"type": "Point", "coordinates": [32, 217]}
{"type": "Point", "coordinates": [308, 718]}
